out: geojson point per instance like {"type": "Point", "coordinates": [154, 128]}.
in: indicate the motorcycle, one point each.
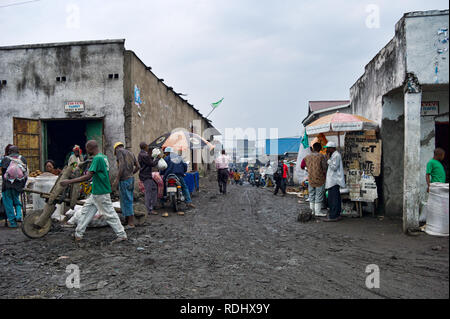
{"type": "Point", "coordinates": [174, 192]}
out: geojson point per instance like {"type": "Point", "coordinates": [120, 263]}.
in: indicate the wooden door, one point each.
{"type": "Point", "coordinates": [27, 138]}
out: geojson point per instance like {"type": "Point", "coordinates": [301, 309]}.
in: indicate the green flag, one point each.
{"type": "Point", "coordinates": [305, 141]}
{"type": "Point", "coordinates": [214, 105]}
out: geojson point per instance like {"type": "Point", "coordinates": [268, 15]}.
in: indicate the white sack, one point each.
{"type": "Point", "coordinates": [437, 210]}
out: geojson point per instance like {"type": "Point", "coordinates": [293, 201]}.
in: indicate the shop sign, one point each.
{"type": "Point", "coordinates": [72, 107]}
{"type": "Point", "coordinates": [362, 187]}
{"type": "Point", "coordinates": [430, 108]}
{"type": "Point", "coordinates": [363, 152]}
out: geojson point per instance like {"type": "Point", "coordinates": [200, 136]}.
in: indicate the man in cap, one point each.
{"type": "Point", "coordinates": [128, 166]}
{"type": "Point", "coordinates": [100, 198]}
{"type": "Point", "coordinates": [335, 180]}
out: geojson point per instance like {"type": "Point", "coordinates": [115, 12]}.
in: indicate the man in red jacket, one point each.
{"type": "Point", "coordinates": [280, 176]}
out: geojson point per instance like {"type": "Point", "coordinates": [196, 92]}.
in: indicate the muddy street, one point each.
{"type": "Point", "coordinates": [247, 244]}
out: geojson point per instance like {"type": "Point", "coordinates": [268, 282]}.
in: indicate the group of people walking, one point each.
{"type": "Point", "coordinates": [151, 174]}
{"type": "Point", "coordinates": [224, 172]}
{"type": "Point", "coordinates": [146, 164]}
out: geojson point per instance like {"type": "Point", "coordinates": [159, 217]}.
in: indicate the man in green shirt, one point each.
{"type": "Point", "coordinates": [435, 170]}
{"type": "Point", "coordinates": [100, 198]}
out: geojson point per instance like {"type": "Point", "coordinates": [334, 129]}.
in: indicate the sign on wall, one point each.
{"type": "Point", "coordinates": [137, 96]}
{"type": "Point", "coordinates": [430, 108]}
{"type": "Point", "coordinates": [362, 187]}
{"type": "Point", "coordinates": [368, 188]}
{"type": "Point", "coordinates": [362, 152]}
{"type": "Point", "coordinates": [70, 107]}
{"type": "Point", "coordinates": [353, 183]}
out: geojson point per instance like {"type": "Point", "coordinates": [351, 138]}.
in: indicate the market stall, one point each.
{"type": "Point", "coordinates": [361, 154]}
{"type": "Point", "coordinates": [362, 164]}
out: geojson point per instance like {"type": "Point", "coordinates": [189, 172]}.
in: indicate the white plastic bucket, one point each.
{"type": "Point", "coordinates": [437, 210]}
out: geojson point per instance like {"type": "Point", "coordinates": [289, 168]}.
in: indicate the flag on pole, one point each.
{"type": "Point", "coordinates": [216, 104]}
{"type": "Point", "coordinates": [305, 141]}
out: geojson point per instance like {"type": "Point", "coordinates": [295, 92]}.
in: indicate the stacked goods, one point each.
{"type": "Point", "coordinates": [35, 173]}
{"type": "Point", "coordinates": [293, 189]}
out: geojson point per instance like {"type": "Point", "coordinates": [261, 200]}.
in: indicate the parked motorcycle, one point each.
{"type": "Point", "coordinates": [174, 192]}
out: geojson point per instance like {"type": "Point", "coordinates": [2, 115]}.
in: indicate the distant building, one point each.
{"type": "Point", "coordinates": [404, 89]}
{"type": "Point", "coordinates": [318, 109]}
{"type": "Point", "coordinates": [246, 148]}
{"type": "Point", "coordinates": [280, 146]}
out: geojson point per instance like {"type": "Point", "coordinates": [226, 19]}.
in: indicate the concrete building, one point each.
{"type": "Point", "coordinates": [405, 90]}
{"type": "Point", "coordinates": [241, 149]}
{"type": "Point", "coordinates": [55, 95]}
{"type": "Point", "coordinates": [318, 109]}
{"type": "Point", "coordinates": [245, 149]}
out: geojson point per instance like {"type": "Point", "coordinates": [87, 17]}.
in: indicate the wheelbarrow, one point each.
{"type": "Point", "coordinates": [37, 224]}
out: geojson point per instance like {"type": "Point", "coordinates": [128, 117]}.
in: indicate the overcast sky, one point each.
{"type": "Point", "coordinates": [266, 58]}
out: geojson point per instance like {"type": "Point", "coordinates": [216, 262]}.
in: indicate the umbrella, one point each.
{"type": "Point", "coordinates": [180, 140]}
{"type": "Point", "coordinates": [335, 124]}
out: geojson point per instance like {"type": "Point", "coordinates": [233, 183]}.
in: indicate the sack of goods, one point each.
{"type": "Point", "coordinates": [162, 165]}
{"type": "Point", "coordinates": [16, 169]}
{"type": "Point", "coordinates": [98, 221]}
{"type": "Point", "coordinates": [437, 210]}
{"type": "Point", "coordinates": [156, 152]}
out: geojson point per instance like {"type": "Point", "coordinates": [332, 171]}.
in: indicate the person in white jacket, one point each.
{"type": "Point", "coordinates": [335, 180]}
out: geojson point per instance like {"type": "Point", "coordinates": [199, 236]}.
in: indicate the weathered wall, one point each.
{"type": "Point", "coordinates": [423, 43]}
{"type": "Point", "coordinates": [33, 92]}
{"type": "Point", "coordinates": [428, 126]}
{"type": "Point", "coordinates": [384, 73]}
{"type": "Point", "coordinates": [378, 95]}
{"type": "Point", "coordinates": [370, 97]}
{"type": "Point", "coordinates": [392, 136]}
{"type": "Point", "coordinates": [161, 111]}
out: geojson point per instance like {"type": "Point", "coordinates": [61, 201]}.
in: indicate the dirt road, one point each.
{"type": "Point", "coordinates": [246, 244]}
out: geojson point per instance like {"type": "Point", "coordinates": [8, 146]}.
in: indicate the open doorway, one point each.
{"type": "Point", "coordinates": [441, 140]}
{"type": "Point", "coordinates": [60, 136]}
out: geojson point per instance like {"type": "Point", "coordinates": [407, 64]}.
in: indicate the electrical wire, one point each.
{"type": "Point", "coordinates": [18, 3]}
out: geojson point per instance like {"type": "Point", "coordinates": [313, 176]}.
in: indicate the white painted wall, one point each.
{"type": "Point", "coordinates": [422, 45]}
{"type": "Point", "coordinates": [33, 92]}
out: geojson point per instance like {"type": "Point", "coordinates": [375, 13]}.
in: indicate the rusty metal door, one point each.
{"type": "Point", "coordinates": [27, 137]}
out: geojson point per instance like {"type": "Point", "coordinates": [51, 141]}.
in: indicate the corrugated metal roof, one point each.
{"type": "Point", "coordinates": [319, 105]}
{"type": "Point", "coordinates": [282, 145]}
